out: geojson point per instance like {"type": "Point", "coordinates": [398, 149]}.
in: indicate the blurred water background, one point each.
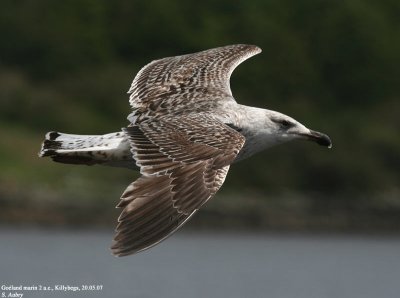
{"type": "Point", "coordinates": [196, 265]}
{"type": "Point", "coordinates": [332, 65]}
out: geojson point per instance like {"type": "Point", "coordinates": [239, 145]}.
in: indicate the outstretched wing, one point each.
{"type": "Point", "coordinates": [174, 82]}
{"type": "Point", "coordinates": [183, 161]}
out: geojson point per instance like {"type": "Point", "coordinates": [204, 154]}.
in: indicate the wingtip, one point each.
{"type": "Point", "coordinates": [117, 252]}
{"type": "Point", "coordinates": [254, 48]}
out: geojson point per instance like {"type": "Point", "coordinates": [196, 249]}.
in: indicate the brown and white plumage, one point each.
{"type": "Point", "coordinates": [187, 83]}
{"type": "Point", "coordinates": [183, 162]}
{"type": "Point", "coordinates": [186, 130]}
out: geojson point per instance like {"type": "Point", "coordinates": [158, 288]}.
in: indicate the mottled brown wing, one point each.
{"type": "Point", "coordinates": [183, 164]}
{"type": "Point", "coordinates": [201, 76]}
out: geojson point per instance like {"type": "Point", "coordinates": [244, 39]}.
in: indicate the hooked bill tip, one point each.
{"type": "Point", "coordinates": [320, 138]}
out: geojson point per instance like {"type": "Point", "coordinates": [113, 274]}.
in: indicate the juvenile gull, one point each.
{"type": "Point", "coordinates": [185, 130]}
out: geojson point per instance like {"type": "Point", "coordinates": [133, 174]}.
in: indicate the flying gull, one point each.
{"type": "Point", "coordinates": [185, 131]}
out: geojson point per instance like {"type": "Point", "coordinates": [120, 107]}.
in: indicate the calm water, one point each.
{"type": "Point", "coordinates": [203, 265]}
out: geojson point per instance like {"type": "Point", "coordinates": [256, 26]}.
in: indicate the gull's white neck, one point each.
{"type": "Point", "coordinates": [253, 123]}
{"type": "Point", "coordinates": [259, 136]}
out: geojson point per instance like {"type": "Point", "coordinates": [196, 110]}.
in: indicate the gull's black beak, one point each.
{"type": "Point", "coordinates": [318, 137]}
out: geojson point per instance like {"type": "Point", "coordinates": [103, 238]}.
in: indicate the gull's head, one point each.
{"type": "Point", "coordinates": [285, 128]}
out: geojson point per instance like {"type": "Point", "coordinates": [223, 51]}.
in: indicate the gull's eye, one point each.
{"type": "Point", "coordinates": [283, 123]}
{"type": "Point", "coordinates": [286, 124]}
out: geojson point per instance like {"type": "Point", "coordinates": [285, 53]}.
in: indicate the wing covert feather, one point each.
{"type": "Point", "coordinates": [182, 168]}
{"type": "Point", "coordinates": [171, 85]}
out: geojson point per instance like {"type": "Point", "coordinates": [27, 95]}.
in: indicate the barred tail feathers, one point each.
{"type": "Point", "coordinates": [109, 149]}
